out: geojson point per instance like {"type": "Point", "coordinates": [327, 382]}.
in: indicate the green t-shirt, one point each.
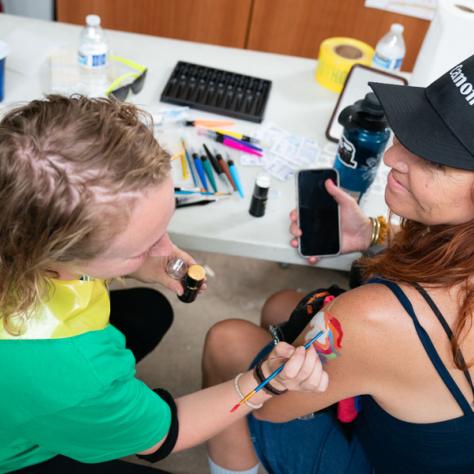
{"type": "Point", "coordinates": [76, 396]}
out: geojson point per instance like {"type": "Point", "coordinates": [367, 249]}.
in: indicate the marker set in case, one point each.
{"type": "Point", "coordinates": [217, 91]}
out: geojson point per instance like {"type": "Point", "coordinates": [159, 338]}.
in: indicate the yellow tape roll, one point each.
{"type": "Point", "coordinates": [336, 57]}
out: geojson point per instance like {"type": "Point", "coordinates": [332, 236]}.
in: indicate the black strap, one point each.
{"type": "Point", "coordinates": [428, 345]}
{"type": "Point", "coordinates": [447, 330]}
{"type": "Point", "coordinates": [170, 441]}
{"type": "Point", "coordinates": [304, 312]}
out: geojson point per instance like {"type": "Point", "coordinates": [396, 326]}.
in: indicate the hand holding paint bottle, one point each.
{"type": "Point", "coordinates": [157, 267]}
{"type": "Point", "coordinates": [192, 278]}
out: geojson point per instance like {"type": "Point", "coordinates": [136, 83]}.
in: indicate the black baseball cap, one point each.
{"type": "Point", "coordinates": [435, 122]}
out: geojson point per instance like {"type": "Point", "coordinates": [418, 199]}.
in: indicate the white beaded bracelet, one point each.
{"type": "Point", "coordinates": [241, 395]}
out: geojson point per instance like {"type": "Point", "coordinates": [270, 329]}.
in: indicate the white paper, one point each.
{"type": "Point", "coordinates": [250, 160]}
{"type": "Point", "coordinates": [285, 153]}
{"type": "Point", "coordinates": [418, 8]}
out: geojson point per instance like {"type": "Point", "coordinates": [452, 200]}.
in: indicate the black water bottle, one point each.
{"type": "Point", "coordinates": [362, 144]}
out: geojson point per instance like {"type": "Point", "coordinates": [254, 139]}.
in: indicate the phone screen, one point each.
{"type": "Point", "coordinates": [318, 213]}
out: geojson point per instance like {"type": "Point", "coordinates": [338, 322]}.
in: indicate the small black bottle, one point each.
{"type": "Point", "coordinates": [260, 196]}
{"type": "Point", "coordinates": [192, 282]}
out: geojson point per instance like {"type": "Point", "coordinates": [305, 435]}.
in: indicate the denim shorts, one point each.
{"type": "Point", "coordinates": [313, 444]}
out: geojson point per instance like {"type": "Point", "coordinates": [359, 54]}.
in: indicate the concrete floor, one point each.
{"type": "Point", "coordinates": [239, 289]}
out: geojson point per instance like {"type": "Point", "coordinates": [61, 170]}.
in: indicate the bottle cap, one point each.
{"type": "Point", "coordinates": [263, 181]}
{"type": "Point", "coordinates": [366, 113]}
{"type": "Point", "coordinates": [93, 20]}
{"type": "Point", "coordinates": [397, 28]}
{"type": "Point", "coordinates": [196, 272]}
{"type": "Point", "coordinates": [371, 105]}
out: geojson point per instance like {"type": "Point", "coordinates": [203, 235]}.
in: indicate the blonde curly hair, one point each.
{"type": "Point", "coordinates": [70, 171]}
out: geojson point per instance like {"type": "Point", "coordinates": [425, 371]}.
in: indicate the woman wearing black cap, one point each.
{"type": "Point", "coordinates": [403, 343]}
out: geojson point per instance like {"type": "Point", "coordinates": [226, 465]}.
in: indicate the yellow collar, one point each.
{"type": "Point", "coordinates": [73, 307]}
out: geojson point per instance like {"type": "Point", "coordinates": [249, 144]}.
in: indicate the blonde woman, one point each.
{"type": "Point", "coordinates": [85, 197]}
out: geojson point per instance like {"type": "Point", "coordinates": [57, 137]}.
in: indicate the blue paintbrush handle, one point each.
{"type": "Point", "coordinates": [235, 177]}
{"type": "Point", "coordinates": [191, 168]}
{"type": "Point", "coordinates": [200, 172]}
{"type": "Point", "coordinates": [279, 369]}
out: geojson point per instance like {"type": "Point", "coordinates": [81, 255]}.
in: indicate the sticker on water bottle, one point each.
{"type": "Point", "coordinates": [93, 56]}
{"type": "Point", "coordinates": [346, 153]}
{"type": "Point", "coordinates": [386, 63]}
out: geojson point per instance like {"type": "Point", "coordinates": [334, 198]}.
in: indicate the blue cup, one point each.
{"type": "Point", "coordinates": [4, 50]}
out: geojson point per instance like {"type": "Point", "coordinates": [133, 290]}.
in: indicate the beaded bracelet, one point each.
{"type": "Point", "coordinates": [251, 405]}
{"type": "Point", "coordinates": [379, 230]}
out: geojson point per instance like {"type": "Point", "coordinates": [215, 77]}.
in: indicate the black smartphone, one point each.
{"type": "Point", "coordinates": [318, 213]}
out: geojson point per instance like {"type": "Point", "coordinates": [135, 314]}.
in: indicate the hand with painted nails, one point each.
{"type": "Point", "coordinates": [303, 370]}
{"type": "Point", "coordinates": [355, 225]}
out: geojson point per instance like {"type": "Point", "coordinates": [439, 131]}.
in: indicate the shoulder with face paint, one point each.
{"type": "Point", "coordinates": [365, 337]}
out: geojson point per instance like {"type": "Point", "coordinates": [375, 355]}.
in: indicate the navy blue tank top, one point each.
{"type": "Point", "coordinates": [399, 447]}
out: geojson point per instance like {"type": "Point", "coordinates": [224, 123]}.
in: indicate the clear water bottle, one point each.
{"type": "Point", "coordinates": [390, 50]}
{"type": "Point", "coordinates": [93, 57]}
{"type": "Point", "coordinates": [362, 144]}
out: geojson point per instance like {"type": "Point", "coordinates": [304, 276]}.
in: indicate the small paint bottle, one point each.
{"type": "Point", "coordinates": [176, 268]}
{"type": "Point", "coordinates": [192, 282]}
{"type": "Point", "coordinates": [260, 196]}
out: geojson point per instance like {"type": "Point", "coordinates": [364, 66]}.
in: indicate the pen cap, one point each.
{"type": "Point", "coordinates": [260, 195]}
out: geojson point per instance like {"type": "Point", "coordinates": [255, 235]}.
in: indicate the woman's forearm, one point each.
{"type": "Point", "coordinates": [207, 412]}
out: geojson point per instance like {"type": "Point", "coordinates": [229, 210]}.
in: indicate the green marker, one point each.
{"type": "Point", "coordinates": [208, 170]}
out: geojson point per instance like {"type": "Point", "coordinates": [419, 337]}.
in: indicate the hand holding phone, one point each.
{"type": "Point", "coordinates": [318, 213]}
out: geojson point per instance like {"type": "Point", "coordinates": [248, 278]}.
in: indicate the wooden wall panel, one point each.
{"type": "Point", "coordinates": [297, 27]}
{"type": "Point", "coordinates": [222, 22]}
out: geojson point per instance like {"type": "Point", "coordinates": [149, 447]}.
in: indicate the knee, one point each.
{"type": "Point", "coordinates": [224, 349]}
{"type": "Point", "coordinates": [278, 307]}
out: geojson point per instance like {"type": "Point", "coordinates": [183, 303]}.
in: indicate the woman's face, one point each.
{"type": "Point", "coordinates": [145, 235]}
{"type": "Point", "coordinates": [425, 192]}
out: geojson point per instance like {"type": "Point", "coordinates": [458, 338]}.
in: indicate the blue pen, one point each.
{"type": "Point", "coordinates": [200, 171]}
{"type": "Point", "coordinates": [271, 376]}
{"type": "Point", "coordinates": [190, 163]}
{"type": "Point", "coordinates": [185, 192]}
{"type": "Point", "coordinates": [235, 177]}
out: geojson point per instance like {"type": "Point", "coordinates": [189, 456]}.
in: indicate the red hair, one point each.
{"type": "Point", "coordinates": [433, 256]}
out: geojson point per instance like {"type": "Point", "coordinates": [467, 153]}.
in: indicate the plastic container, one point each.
{"type": "Point", "coordinates": [93, 57]}
{"type": "Point", "coordinates": [362, 144]}
{"type": "Point", "coordinates": [390, 49]}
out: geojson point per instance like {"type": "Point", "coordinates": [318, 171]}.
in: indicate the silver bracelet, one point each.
{"type": "Point", "coordinates": [241, 395]}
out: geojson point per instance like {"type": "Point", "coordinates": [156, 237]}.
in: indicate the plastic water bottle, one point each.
{"type": "Point", "coordinates": [390, 49]}
{"type": "Point", "coordinates": [362, 144]}
{"type": "Point", "coordinates": [93, 57]}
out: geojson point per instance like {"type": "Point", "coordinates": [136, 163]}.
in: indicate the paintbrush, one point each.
{"type": "Point", "coordinates": [271, 376]}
